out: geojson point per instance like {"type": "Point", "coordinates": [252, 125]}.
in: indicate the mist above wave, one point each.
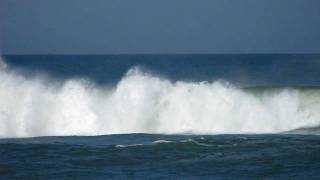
{"type": "Point", "coordinates": [144, 103]}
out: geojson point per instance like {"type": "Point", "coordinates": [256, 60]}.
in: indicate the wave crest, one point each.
{"type": "Point", "coordinates": [142, 103]}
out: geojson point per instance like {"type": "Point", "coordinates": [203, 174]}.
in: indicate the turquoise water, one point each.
{"type": "Point", "coordinates": [159, 117]}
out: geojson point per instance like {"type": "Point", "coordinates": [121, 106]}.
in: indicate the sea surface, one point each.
{"type": "Point", "coordinates": [254, 116]}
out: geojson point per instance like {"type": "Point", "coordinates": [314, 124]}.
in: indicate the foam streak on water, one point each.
{"type": "Point", "coordinates": [147, 104]}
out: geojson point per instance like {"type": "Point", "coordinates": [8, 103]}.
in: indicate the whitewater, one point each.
{"type": "Point", "coordinates": [144, 103]}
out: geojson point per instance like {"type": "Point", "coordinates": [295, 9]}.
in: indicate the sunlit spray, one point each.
{"type": "Point", "coordinates": [142, 103]}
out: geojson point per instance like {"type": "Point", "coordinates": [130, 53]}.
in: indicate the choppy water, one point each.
{"type": "Point", "coordinates": [250, 116]}
{"type": "Point", "coordinates": [143, 156]}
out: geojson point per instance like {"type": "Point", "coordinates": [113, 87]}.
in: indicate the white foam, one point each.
{"type": "Point", "coordinates": [129, 145]}
{"type": "Point", "coordinates": [161, 141]}
{"type": "Point", "coordinates": [195, 142]}
{"type": "Point", "coordinates": [146, 104]}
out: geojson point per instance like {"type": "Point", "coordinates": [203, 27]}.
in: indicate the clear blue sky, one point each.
{"type": "Point", "coordinates": [159, 26]}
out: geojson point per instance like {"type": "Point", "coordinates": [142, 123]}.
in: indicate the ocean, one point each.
{"type": "Point", "coordinates": [183, 116]}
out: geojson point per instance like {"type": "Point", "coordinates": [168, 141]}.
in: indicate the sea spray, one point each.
{"type": "Point", "coordinates": [3, 65]}
{"type": "Point", "coordinates": [143, 103]}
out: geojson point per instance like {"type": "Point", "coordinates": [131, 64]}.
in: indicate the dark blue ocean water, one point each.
{"type": "Point", "coordinates": [291, 154]}
{"type": "Point", "coordinates": [245, 70]}
{"type": "Point", "coordinates": [143, 156]}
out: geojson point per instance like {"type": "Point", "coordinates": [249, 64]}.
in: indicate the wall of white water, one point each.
{"type": "Point", "coordinates": [146, 104]}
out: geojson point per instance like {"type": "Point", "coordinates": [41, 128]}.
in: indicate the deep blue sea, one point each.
{"type": "Point", "coordinates": [254, 116]}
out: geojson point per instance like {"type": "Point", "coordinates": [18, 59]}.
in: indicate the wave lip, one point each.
{"type": "Point", "coordinates": [142, 103]}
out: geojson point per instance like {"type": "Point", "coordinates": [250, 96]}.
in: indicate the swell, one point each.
{"type": "Point", "coordinates": [142, 103]}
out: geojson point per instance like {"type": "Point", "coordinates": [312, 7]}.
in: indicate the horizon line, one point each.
{"type": "Point", "coordinates": [105, 54]}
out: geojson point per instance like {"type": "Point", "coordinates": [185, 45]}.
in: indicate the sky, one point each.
{"type": "Point", "coordinates": [159, 26]}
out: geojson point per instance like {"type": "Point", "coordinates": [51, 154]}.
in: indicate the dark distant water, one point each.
{"type": "Point", "coordinates": [175, 116]}
{"type": "Point", "coordinates": [245, 70]}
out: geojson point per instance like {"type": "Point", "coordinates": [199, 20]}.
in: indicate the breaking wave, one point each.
{"type": "Point", "coordinates": [142, 103]}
